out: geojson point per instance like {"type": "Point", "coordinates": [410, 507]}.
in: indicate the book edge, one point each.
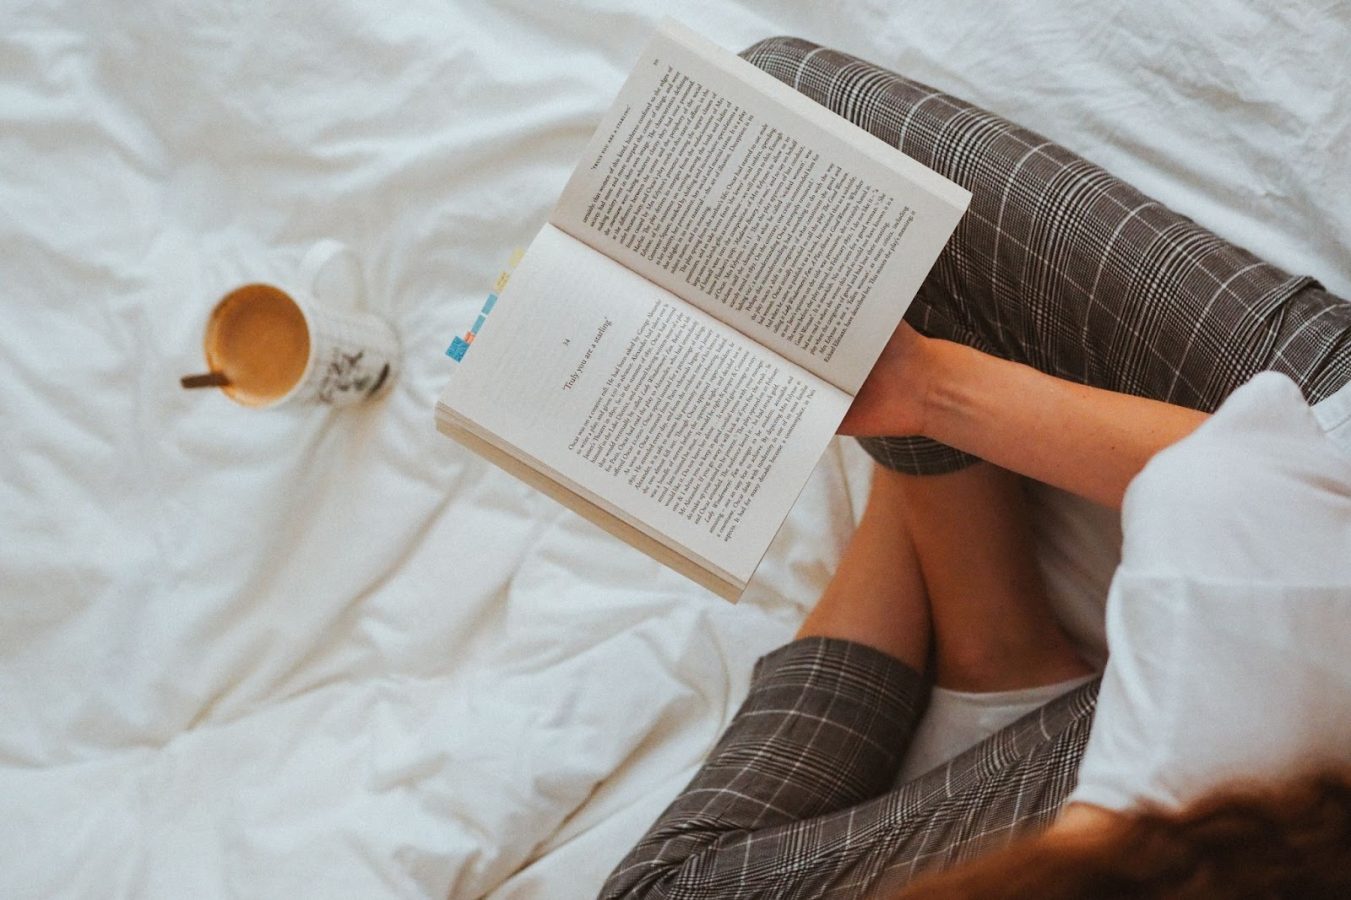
{"type": "Point", "coordinates": [715, 580]}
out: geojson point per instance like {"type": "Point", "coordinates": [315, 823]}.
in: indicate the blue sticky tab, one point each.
{"type": "Point", "coordinates": [478, 324]}
{"type": "Point", "coordinates": [488, 304]}
{"type": "Point", "coordinates": [456, 349]}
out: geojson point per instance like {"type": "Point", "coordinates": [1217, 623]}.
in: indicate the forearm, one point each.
{"type": "Point", "coordinates": [1086, 440]}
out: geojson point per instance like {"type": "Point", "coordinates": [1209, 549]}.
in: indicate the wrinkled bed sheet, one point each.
{"type": "Point", "coordinates": [305, 652]}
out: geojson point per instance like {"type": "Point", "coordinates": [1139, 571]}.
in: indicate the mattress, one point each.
{"type": "Point", "coordinates": [326, 652]}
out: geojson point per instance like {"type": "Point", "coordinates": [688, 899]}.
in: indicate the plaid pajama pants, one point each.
{"type": "Point", "coordinates": [1063, 267]}
{"type": "Point", "coordinates": [1057, 265]}
{"type": "Point", "coordinates": [797, 798]}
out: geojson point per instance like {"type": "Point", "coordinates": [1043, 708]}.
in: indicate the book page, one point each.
{"type": "Point", "coordinates": [764, 209]}
{"type": "Point", "coordinates": [643, 404]}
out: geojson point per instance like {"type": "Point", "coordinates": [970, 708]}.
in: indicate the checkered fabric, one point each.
{"type": "Point", "coordinates": [796, 800]}
{"type": "Point", "coordinates": [1058, 265]}
{"type": "Point", "coordinates": [1061, 266]}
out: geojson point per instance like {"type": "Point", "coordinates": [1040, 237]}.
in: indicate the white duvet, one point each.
{"type": "Point", "coordinates": [303, 652]}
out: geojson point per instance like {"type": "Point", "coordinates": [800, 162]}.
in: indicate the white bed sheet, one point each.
{"type": "Point", "coordinates": [327, 653]}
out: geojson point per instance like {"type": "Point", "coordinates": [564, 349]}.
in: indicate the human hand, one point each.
{"type": "Point", "coordinates": [894, 395]}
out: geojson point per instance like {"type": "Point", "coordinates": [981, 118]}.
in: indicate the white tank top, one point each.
{"type": "Point", "coordinates": [1229, 618]}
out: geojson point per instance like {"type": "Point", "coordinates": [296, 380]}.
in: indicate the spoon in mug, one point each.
{"type": "Point", "coordinates": [208, 379]}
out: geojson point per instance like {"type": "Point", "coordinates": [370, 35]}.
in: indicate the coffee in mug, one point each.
{"type": "Point", "coordinates": [265, 346]}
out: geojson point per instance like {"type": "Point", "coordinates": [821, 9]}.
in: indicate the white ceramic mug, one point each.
{"type": "Point", "coordinates": [266, 345]}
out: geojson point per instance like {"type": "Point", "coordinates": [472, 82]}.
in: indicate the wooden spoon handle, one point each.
{"type": "Point", "coordinates": [208, 379]}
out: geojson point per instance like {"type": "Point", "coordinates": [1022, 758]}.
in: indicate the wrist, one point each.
{"type": "Point", "coordinates": [947, 388]}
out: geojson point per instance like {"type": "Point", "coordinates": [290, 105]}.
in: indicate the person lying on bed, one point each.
{"type": "Point", "coordinates": [1075, 330]}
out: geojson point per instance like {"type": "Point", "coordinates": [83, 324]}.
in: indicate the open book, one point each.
{"type": "Point", "coordinates": [675, 350]}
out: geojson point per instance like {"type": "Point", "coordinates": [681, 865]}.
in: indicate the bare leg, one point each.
{"type": "Point", "coordinates": [948, 559]}
{"type": "Point", "coordinates": [876, 596]}
{"type": "Point", "coordinates": [992, 623]}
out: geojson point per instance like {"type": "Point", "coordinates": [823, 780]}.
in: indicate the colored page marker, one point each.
{"type": "Point", "coordinates": [458, 346]}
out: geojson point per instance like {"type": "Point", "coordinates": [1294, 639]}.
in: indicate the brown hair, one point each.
{"type": "Point", "coordinates": [1291, 840]}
